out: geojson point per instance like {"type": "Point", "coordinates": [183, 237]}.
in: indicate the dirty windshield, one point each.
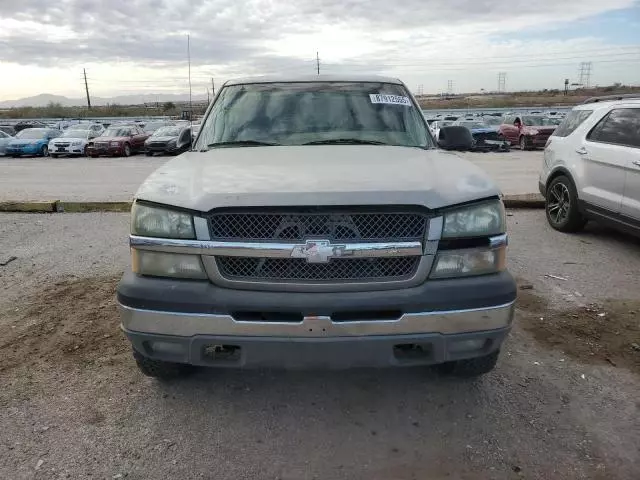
{"type": "Point", "coordinates": [314, 113]}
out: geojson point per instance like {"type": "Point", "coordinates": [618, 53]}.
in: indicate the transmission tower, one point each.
{"type": "Point", "coordinates": [502, 82]}
{"type": "Point", "coordinates": [585, 74]}
{"type": "Point", "coordinates": [449, 87]}
{"type": "Point", "coordinates": [420, 89]}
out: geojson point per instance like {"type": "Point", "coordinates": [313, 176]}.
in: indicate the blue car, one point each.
{"type": "Point", "coordinates": [486, 138]}
{"type": "Point", "coordinates": [32, 141]}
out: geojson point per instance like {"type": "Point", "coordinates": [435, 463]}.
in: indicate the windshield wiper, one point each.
{"type": "Point", "coordinates": [242, 143]}
{"type": "Point", "coordinates": [345, 141]}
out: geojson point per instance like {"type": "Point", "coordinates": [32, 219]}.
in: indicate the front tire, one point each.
{"type": "Point", "coordinates": [160, 369]}
{"type": "Point", "coordinates": [45, 151]}
{"type": "Point", "coordinates": [126, 150]}
{"type": "Point", "coordinates": [523, 143]}
{"type": "Point", "coordinates": [470, 367]}
{"type": "Point", "coordinates": [561, 206]}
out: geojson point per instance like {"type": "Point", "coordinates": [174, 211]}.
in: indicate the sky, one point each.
{"type": "Point", "coordinates": [140, 46]}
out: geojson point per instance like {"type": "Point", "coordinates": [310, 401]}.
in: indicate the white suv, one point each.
{"type": "Point", "coordinates": [591, 167]}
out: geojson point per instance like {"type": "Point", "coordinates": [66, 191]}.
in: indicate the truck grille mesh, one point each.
{"type": "Point", "coordinates": [353, 227]}
{"type": "Point", "coordinates": [298, 269]}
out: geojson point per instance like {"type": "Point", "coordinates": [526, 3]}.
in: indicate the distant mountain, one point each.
{"type": "Point", "coordinates": [44, 99]}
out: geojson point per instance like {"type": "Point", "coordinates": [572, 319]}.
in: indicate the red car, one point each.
{"type": "Point", "coordinates": [527, 131]}
{"type": "Point", "coordinates": [118, 141]}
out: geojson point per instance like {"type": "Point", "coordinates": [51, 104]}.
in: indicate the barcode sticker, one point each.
{"type": "Point", "coordinates": [390, 99]}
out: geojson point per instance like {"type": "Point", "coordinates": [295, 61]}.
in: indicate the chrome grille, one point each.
{"type": "Point", "coordinates": [296, 226]}
{"type": "Point", "coordinates": [296, 269]}
{"type": "Point", "coordinates": [101, 144]}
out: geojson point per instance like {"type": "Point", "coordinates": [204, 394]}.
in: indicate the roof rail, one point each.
{"type": "Point", "coordinates": [609, 98]}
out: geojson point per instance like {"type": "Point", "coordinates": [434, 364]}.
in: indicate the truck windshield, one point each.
{"type": "Point", "coordinates": [314, 113]}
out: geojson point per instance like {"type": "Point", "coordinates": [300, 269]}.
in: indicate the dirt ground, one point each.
{"type": "Point", "coordinates": [562, 403]}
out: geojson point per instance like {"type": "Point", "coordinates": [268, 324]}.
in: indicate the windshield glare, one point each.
{"type": "Point", "coordinates": [539, 121]}
{"type": "Point", "coordinates": [117, 132]}
{"type": "Point", "coordinates": [167, 132]}
{"type": "Point", "coordinates": [75, 133]}
{"type": "Point", "coordinates": [31, 133]}
{"type": "Point", "coordinates": [299, 113]}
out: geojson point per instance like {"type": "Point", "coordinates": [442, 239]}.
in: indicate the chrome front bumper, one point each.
{"type": "Point", "coordinates": [192, 324]}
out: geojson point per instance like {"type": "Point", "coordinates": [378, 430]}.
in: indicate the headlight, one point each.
{"type": "Point", "coordinates": [160, 264]}
{"type": "Point", "coordinates": [158, 222]}
{"type": "Point", "coordinates": [171, 143]}
{"type": "Point", "coordinates": [480, 220]}
{"type": "Point", "coordinates": [77, 143]}
{"type": "Point", "coordinates": [115, 144]}
{"type": "Point", "coordinates": [532, 132]}
{"type": "Point", "coordinates": [468, 262]}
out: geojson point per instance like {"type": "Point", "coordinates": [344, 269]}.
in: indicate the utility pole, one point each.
{"type": "Point", "coordinates": [189, 60]}
{"type": "Point", "coordinates": [213, 88]}
{"type": "Point", "coordinates": [585, 74]}
{"type": "Point", "coordinates": [86, 87]}
{"type": "Point", "coordinates": [566, 87]}
{"type": "Point", "coordinates": [318, 62]}
{"type": "Point", "coordinates": [208, 96]}
{"type": "Point", "coordinates": [502, 82]}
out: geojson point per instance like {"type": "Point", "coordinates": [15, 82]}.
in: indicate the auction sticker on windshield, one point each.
{"type": "Point", "coordinates": [390, 99]}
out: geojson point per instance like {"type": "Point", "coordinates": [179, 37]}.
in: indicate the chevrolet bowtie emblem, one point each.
{"type": "Point", "coordinates": [318, 251]}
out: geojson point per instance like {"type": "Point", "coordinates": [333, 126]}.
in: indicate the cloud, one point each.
{"type": "Point", "coordinates": [238, 37]}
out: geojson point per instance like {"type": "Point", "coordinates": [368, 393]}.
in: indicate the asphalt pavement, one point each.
{"type": "Point", "coordinates": [117, 179]}
{"type": "Point", "coordinates": [83, 410]}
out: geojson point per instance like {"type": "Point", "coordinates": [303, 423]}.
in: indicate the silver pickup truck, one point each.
{"type": "Point", "coordinates": [315, 224]}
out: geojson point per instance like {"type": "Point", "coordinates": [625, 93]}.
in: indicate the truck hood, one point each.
{"type": "Point", "coordinates": [316, 175]}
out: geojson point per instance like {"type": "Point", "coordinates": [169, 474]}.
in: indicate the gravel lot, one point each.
{"type": "Point", "coordinates": [117, 179]}
{"type": "Point", "coordinates": [73, 405]}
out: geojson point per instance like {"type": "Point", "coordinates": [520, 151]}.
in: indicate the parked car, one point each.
{"type": "Point", "coordinates": [4, 141]}
{"type": "Point", "coordinates": [485, 138]}
{"type": "Point", "coordinates": [527, 131]}
{"type": "Point", "coordinates": [118, 140]}
{"type": "Point", "coordinates": [169, 140]}
{"type": "Point", "coordinates": [287, 237]}
{"type": "Point", "coordinates": [152, 126]}
{"type": "Point", "coordinates": [73, 141]}
{"type": "Point", "coordinates": [29, 124]}
{"type": "Point", "coordinates": [8, 129]}
{"type": "Point", "coordinates": [455, 137]}
{"type": "Point", "coordinates": [95, 128]}
{"type": "Point", "coordinates": [591, 167]}
{"type": "Point", "coordinates": [31, 141]}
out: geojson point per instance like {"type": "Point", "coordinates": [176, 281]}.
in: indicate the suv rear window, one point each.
{"type": "Point", "coordinates": [572, 121]}
{"type": "Point", "coordinates": [620, 127]}
{"type": "Point", "coordinates": [299, 113]}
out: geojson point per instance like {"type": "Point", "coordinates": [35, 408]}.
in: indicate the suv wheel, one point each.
{"type": "Point", "coordinates": [470, 367]}
{"type": "Point", "coordinates": [561, 206]}
{"type": "Point", "coordinates": [160, 369]}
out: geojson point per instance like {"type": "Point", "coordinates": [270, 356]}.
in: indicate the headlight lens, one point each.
{"type": "Point", "coordinates": [159, 222]}
{"type": "Point", "coordinates": [484, 219]}
{"type": "Point", "coordinates": [76, 143]}
{"type": "Point", "coordinates": [468, 262]}
{"type": "Point", "coordinates": [160, 264]}
{"type": "Point", "coordinates": [115, 144]}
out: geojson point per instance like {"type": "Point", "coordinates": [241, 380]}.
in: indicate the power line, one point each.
{"type": "Point", "coordinates": [585, 74]}
{"type": "Point", "coordinates": [86, 87]}
{"type": "Point", "coordinates": [502, 81]}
